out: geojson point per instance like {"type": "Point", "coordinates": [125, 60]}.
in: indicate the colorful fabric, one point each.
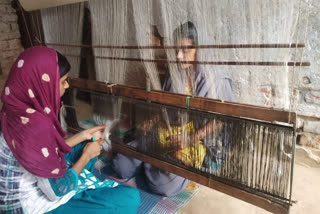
{"type": "Point", "coordinates": [29, 117]}
{"type": "Point", "coordinates": [88, 181]}
{"type": "Point", "coordinates": [222, 86]}
{"type": "Point", "coordinates": [150, 203]}
{"type": "Point", "coordinates": [10, 178]}
{"type": "Point", "coordinates": [190, 156]}
{"type": "Point", "coordinates": [174, 204]}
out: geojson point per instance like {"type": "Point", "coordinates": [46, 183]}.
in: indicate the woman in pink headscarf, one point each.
{"type": "Point", "coordinates": [40, 171]}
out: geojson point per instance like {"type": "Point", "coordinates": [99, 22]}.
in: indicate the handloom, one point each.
{"type": "Point", "coordinates": [247, 151]}
{"type": "Point", "coordinates": [250, 157]}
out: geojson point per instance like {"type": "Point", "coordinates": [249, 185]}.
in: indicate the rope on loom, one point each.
{"type": "Point", "coordinates": [110, 86]}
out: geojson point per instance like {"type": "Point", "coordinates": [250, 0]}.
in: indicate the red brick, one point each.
{"type": "Point", "coordinates": [5, 1]}
{"type": "Point", "coordinates": [10, 9]}
{"type": "Point", "coordinates": [12, 17]}
{"type": "Point", "coordinates": [13, 35]}
{"type": "Point", "coordinates": [4, 45]}
{"type": "Point", "coordinates": [14, 44]}
{"type": "Point", "coordinates": [14, 27]}
{"type": "Point", "coordinates": [2, 9]}
{"type": "Point", "coordinates": [6, 64]}
{"type": "Point", "coordinates": [4, 28]}
{"type": "Point", "coordinates": [10, 53]}
{"type": "Point", "coordinates": [6, 9]}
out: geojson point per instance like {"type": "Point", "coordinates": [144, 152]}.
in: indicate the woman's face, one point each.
{"type": "Point", "coordinates": [64, 84]}
{"type": "Point", "coordinates": [185, 54]}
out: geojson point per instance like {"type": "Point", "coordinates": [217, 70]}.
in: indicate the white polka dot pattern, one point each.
{"type": "Point", "coordinates": [55, 171]}
{"type": "Point", "coordinates": [47, 110]}
{"type": "Point", "coordinates": [24, 120]}
{"type": "Point", "coordinates": [7, 90]}
{"type": "Point", "coordinates": [20, 63]}
{"type": "Point", "coordinates": [30, 110]}
{"type": "Point", "coordinates": [45, 77]}
{"type": "Point", "coordinates": [45, 152]}
{"type": "Point", "coordinates": [30, 93]}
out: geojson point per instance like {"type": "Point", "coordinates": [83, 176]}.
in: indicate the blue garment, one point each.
{"type": "Point", "coordinates": [222, 84]}
{"type": "Point", "coordinates": [64, 185]}
{"type": "Point", "coordinates": [117, 200]}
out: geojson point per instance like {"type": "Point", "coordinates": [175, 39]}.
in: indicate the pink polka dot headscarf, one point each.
{"type": "Point", "coordinates": [29, 116]}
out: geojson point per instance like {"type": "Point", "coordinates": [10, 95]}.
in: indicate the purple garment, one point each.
{"type": "Point", "coordinates": [29, 116]}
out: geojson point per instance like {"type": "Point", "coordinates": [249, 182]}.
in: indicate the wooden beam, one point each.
{"type": "Point", "coordinates": [199, 103]}
{"type": "Point", "coordinates": [274, 206]}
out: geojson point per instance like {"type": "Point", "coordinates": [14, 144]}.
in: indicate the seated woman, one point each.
{"type": "Point", "coordinates": [40, 171]}
{"type": "Point", "coordinates": [192, 81]}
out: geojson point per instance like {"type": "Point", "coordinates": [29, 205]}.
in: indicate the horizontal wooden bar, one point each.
{"type": "Point", "coordinates": [199, 103]}
{"type": "Point", "coordinates": [222, 46]}
{"type": "Point", "coordinates": [278, 207]}
{"type": "Point", "coordinates": [233, 63]}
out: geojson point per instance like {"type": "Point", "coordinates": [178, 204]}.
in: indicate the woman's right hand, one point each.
{"type": "Point", "coordinates": [145, 126]}
{"type": "Point", "coordinates": [93, 149]}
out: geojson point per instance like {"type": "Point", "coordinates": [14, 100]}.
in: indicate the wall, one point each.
{"type": "Point", "coordinates": [290, 21]}
{"type": "Point", "coordinates": [10, 43]}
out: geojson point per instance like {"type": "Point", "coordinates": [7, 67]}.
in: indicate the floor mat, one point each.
{"type": "Point", "coordinates": [150, 203]}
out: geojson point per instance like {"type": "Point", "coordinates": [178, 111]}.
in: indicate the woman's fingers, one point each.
{"type": "Point", "coordinates": [94, 133]}
{"type": "Point", "coordinates": [96, 128]}
{"type": "Point", "coordinates": [100, 141]}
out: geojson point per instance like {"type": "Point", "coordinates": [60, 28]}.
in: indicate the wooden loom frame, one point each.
{"type": "Point", "coordinates": [235, 109]}
{"type": "Point", "coordinates": [228, 108]}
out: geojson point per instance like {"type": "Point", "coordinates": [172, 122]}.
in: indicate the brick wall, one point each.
{"type": "Point", "coordinates": [10, 43]}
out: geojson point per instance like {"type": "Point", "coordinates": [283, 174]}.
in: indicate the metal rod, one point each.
{"type": "Point", "coordinates": [226, 46]}
{"type": "Point", "coordinates": [162, 61]}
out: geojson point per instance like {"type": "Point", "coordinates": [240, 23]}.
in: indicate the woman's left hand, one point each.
{"type": "Point", "coordinates": [178, 140]}
{"type": "Point", "coordinates": [94, 132]}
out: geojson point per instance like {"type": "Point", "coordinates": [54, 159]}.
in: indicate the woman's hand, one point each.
{"type": "Point", "coordinates": [87, 134]}
{"type": "Point", "coordinates": [178, 140]}
{"type": "Point", "coordinates": [93, 149]}
{"type": "Point", "coordinates": [94, 132]}
{"type": "Point", "coordinates": [145, 126]}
